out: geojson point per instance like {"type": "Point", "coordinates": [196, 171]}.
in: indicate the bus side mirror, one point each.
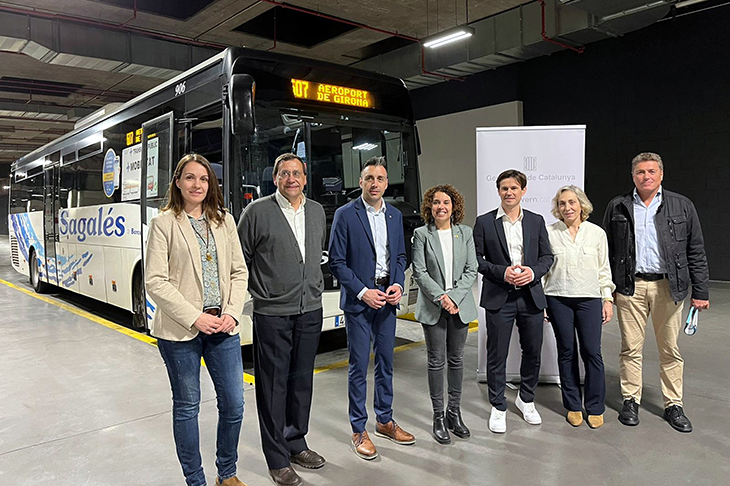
{"type": "Point", "coordinates": [241, 95]}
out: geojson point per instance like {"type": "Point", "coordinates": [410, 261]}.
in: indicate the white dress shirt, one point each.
{"type": "Point", "coordinates": [379, 229]}
{"type": "Point", "coordinates": [447, 250]}
{"type": "Point", "coordinates": [513, 235]}
{"type": "Point", "coordinates": [581, 267]}
{"type": "Point", "coordinates": [649, 257]}
{"type": "Point", "coordinates": [295, 218]}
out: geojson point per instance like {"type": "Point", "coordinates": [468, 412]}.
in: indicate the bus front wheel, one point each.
{"type": "Point", "coordinates": [139, 304]}
{"type": "Point", "coordinates": [38, 285]}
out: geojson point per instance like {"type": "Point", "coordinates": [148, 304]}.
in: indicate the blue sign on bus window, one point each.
{"type": "Point", "coordinates": [107, 174]}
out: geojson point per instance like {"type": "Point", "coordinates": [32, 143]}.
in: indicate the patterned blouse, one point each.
{"type": "Point", "coordinates": [206, 243]}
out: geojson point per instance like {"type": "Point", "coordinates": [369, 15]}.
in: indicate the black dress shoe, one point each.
{"type": "Point", "coordinates": [677, 419]}
{"type": "Point", "coordinates": [309, 459]}
{"type": "Point", "coordinates": [286, 476]}
{"type": "Point", "coordinates": [455, 424]}
{"type": "Point", "coordinates": [629, 414]}
{"type": "Point", "coordinates": [439, 429]}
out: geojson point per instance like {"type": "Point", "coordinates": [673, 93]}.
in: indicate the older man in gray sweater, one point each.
{"type": "Point", "coordinates": [283, 236]}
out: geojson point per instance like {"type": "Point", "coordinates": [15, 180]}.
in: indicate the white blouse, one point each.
{"type": "Point", "coordinates": [447, 251]}
{"type": "Point", "coordinates": [581, 267]}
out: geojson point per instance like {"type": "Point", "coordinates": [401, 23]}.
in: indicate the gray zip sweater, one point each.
{"type": "Point", "coordinates": [280, 283]}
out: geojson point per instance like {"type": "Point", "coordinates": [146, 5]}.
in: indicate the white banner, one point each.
{"type": "Point", "coordinates": [550, 157]}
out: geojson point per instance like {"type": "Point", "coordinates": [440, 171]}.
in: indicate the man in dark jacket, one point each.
{"type": "Point", "coordinates": [656, 250]}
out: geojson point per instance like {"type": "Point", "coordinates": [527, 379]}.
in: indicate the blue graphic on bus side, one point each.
{"type": "Point", "coordinates": [99, 225]}
{"type": "Point", "coordinates": [68, 267]}
{"type": "Point", "coordinates": [151, 310]}
{"type": "Point", "coordinates": [27, 239]}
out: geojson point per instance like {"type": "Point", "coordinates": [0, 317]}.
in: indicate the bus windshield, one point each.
{"type": "Point", "coordinates": [334, 149]}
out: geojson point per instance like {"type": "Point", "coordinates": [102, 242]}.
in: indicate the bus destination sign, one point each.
{"type": "Point", "coordinates": [329, 93]}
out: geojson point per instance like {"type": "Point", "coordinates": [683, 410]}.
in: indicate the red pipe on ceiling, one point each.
{"type": "Point", "coordinates": [134, 16]}
{"type": "Point", "coordinates": [124, 27]}
{"type": "Point", "coordinates": [367, 27]}
{"type": "Point", "coordinates": [545, 37]}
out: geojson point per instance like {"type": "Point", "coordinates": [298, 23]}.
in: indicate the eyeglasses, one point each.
{"type": "Point", "coordinates": [284, 174]}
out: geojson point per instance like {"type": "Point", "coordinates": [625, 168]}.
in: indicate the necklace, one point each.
{"type": "Point", "coordinates": [207, 239]}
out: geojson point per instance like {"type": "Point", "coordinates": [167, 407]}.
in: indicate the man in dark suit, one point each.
{"type": "Point", "coordinates": [367, 255]}
{"type": "Point", "coordinates": [514, 253]}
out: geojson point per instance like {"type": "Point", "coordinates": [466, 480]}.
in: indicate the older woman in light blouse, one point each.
{"type": "Point", "coordinates": [578, 288]}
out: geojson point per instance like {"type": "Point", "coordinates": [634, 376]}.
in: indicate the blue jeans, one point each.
{"type": "Point", "coordinates": [222, 354]}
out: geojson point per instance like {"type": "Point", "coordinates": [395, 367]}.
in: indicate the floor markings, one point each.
{"type": "Point", "coordinates": [473, 326]}
{"type": "Point", "coordinates": [248, 378]}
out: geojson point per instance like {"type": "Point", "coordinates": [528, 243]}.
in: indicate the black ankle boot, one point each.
{"type": "Point", "coordinates": [439, 429]}
{"type": "Point", "coordinates": [456, 425]}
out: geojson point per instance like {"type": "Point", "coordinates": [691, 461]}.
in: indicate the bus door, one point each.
{"type": "Point", "coordinates": [50, 220]}
{"type": "Point", "coordinates": [158, 149]}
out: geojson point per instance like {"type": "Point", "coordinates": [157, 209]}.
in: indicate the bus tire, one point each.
{"type": "Point", "coordinates": [139, 303]}
{"type": "Point", "coordinates": [34, 276]}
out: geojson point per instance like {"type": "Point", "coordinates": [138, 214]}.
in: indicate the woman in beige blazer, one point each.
{"type": "Point", "coordinates": [197, 277]}
{"type": "Point", "coordinates": [445, 268]}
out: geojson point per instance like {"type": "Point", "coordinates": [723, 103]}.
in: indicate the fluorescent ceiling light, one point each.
{"type": "Point", "coordinates": [365, 146]}
{"type": "Point", "coordinates": [448, 36]}
{"type": "Point", "coordinates": [687, 3]}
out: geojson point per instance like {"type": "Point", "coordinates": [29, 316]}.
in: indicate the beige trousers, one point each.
{"type": "Point", "coordinates": [650, 299]}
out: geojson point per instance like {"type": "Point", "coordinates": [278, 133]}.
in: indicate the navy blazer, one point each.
{"type": "Point", "coordinates": [493, 257]}
{"type": "Point", "coordinates": [352, 252]}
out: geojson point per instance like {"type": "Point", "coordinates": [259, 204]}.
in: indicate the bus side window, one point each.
{"type": "Point", "coordinates": [27, 195]}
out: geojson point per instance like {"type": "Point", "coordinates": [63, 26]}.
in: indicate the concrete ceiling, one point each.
{"type": "Point", "coordinates": [21, 129]}
{"type": "Point", "coordinates": [126, 50]}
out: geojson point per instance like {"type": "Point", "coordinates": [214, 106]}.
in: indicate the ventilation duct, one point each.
{"type": "Point", "coordinates": [65, 43]}
{"type": "Point", "coordinates": [517, 35]}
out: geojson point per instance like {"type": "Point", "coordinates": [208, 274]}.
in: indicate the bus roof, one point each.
{"type": "Point", "coordinates": [220, 57]}
{"type": "Point", "coordinates": [147, 94]}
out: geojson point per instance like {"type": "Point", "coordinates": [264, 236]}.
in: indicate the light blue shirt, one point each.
{"type": "Point", "coordinates": [379, 229]}
{"type": "Point", "coordinates": [649, 258]}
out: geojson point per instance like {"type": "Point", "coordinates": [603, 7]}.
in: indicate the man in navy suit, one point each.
{"type": "Point", "coordinates": [367, 254]}
{"type": "Point", "coordinates": [514, 253]}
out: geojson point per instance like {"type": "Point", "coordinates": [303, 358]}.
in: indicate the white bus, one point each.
{"type": "Point", "coordinates": [79, 205]}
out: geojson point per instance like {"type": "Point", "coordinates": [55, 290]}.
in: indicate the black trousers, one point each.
{"type": "Point", "coordinates": [582, 316]}
{"type": "Point", "coordinates": [284, 352]}
{"type": "Point", "coordinates": [519, 308]}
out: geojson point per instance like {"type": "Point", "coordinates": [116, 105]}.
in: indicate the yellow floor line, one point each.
{"type": "Point", "coordinates": [412, 317]}
{"type": "Point", "coordinates": [99, 320]}
{"type": "Point", "coordinates": [473, 326]}
{"type": "Point", "coordinates": [247, 378]}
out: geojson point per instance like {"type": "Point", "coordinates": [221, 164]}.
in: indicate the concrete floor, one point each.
{"type": "Point", "coordinates": [82, 404]}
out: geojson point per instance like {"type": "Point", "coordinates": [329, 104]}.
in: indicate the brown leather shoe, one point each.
{"type": "Point", "coordinates": [392, 431]}
{"type": "Point", "coordinates": [575, 418]}
{"type": "Point", "coordinates": [286, 476]}
{"type": "Point", "coordinates": [363, 446]}
{"type": "Point", "coordinates": [309, 459]}
{"type": "Point", "coordinates": [234, 481]}
{"type": "Point", "coordinates": [595, 421]}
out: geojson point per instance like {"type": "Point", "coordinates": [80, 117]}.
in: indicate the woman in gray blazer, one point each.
{"type": "Point", "coordinates": [197, 277]}
{"type": "Point", "coordinates": [445, 268]}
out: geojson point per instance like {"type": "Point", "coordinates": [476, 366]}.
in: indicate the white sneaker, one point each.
{"type": "Point", "coordinates": [498, 421]}
{"type": "Point", "coordinates": [529, 412]}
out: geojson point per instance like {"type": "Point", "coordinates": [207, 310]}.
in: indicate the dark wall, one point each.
{"type": "Point", "coordinates": [664, 89]}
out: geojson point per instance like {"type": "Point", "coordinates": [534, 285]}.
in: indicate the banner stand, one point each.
{"type": "Point", "coordinates": [551, 157]}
